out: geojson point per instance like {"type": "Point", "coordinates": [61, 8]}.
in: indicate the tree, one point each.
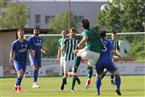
{"type": "Point", "coordinates": [60, 22]}
{"type": "Point", "coordinates": [14, 15]}
{"type": "Point", "coordinates": [125, 16]}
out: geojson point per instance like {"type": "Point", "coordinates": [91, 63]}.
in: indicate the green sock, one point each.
{"type": "Point", "coordinates": [77, 63]}
{"type": "Point", "coordinates": [73, 82]}
{"type": "Point", "coordinates": [89, 73]}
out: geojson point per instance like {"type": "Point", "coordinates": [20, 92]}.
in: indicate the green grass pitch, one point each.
{"type": "Point", "coordinates": [131, 86]}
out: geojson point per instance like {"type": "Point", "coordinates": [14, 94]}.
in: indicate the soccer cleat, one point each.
{"type": "Point", "coordinates": [62, 86]}
{"type": "Point", "coordinates": [72, 90]}
{"type": "Point", "coordinates": [112, 82]}
{"type": "Point", "coordinates": [78, 80]}
{"type": "Point", "coordinates": [15, 89]}
{"type": "Point", "coordinates": [18, 89]}
{"type": "Point", "coordinates": [118, 92]}
{"type": "Point", "coordinates": [35, 85]}
{"type": "Point", "coordinates": [88, 83]}
{"type": "Point", "coordinates": [98, 93]}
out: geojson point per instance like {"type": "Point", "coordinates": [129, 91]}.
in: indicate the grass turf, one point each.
{"type": "Point", "coordinates": [131, 86]}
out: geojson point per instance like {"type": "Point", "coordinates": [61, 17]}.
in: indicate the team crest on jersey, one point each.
{"type": "Point", "coordinates": [26, 46]}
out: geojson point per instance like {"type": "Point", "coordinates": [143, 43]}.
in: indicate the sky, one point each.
{"type": "Point", "coordinates": [62, 0]}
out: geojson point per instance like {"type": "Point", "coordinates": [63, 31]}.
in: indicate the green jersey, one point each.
{"type": "Point", "coordinates": [60, 43]}
{"type": "Point", "coordinates": [94, 40]}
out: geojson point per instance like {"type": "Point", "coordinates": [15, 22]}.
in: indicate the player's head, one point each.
{"type": "Point", "coordinates": [20, 33]}
{"type": "Point", "coordinates": [114, 36]}
{"type": "Point", "coordinates": [85, 24]}
{"type": "Point", "coordinates": [36, 31]}
{"type": "Point", "coordinates": [102, 33]}
{"type": "Point", "coordinates": [72, 32]}
{"type": "Point", "coordinates": [63, 34]}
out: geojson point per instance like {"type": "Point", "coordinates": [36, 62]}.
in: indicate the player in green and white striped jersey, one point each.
{"type": "Point", "coordinates": [69, 45]}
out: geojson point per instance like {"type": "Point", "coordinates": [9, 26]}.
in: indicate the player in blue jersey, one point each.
{"type": "Point", "coordinates": [36, 44]}
{"type": "Point", "coordinates": [105, 61]}
{"type": "Point", "coordinates": [117, 48]}
{"type": "Point", "coordinates": [19, 51]}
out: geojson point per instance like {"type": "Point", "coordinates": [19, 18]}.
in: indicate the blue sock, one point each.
{"type": "Point", "coordinates": [98, 85]}
{"type": "Point", "coordinates": [18, 81]}
{"type": "Point", "coordinates": [35, 75]}
{"type": "Point", "coordinates": [118, 81]}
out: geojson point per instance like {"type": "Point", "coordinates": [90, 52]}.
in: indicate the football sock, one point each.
{"type": "Point", "coordinates": [104, 73]}
{"type": "Point", "coordinates": [89, 73]}
{"type": "Point", "coordinates": [18, 81]}
{"type": "Point", "coordinates": [35, 75]}
{"type": "Point", "coordinates": [118, 81]}
{"type": "Point", "coordinates": [73, 82]}
{"type": "Point", "coordinates": [76, 63]}
{"type": "Point", "coordinates": [98, 85]}
{"type": "Point", "coordinates": [112, 76]}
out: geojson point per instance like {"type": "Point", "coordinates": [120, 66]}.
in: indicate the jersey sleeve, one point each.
{"type": "Point", "coordinates": [29, 46]}
{"type": "Point", "coordinates": [84, 33]}
{"type": "Point", "coordinates": [13, 47]}
{"type": "Point", "coordinates": [30, 43]}
{"type": "Point", "coordinates": [58, 42]}
{"type": "Point", "coordinates": [65, 42]}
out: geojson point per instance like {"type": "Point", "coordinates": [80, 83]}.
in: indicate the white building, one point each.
{"type": "Point", "coordinates": [43, 10]}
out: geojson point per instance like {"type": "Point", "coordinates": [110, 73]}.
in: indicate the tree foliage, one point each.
{"type": "Point", "coordinates": [60, 22]}
{"type": "Point", "coordinates": [13, 15]}
{"type": "Point", "coordinates": [125, 16]}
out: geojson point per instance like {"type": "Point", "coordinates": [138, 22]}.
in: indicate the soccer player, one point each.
{"type": "Point", "coordinates": [92, 50]}
{"type": "Point", "coordinates": [117, 48]}
{"type": "Point", "coordinates": [19, 51]}
{"type": "Point", "coordinates": [60, 55]}
{"type": "Point", "coordinates": [69, 45]}
{"type": "Point", "coordinates": [36, 44]}
{"type": "Point", "coordinates": [105, 61]}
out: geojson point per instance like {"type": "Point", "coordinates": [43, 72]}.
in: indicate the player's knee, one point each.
{"type": "Point", "coordinates": [116, 72]}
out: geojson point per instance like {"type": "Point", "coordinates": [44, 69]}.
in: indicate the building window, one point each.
{"type": "Point", "coordinates": [37, 18]}
{"type": "Point", "coordinates": [47, 18]}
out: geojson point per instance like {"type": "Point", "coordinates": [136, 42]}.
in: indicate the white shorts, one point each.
{"type": "Point", "coordinates": [92, 57]}
{"type": "Point", "coordinates": [62, 61]}
{"type": "Point", "coordinates": [68, 65]}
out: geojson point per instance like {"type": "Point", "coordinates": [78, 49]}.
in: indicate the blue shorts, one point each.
{"type": "Point", "coordinates": [109, 66]}
{"type": "Point", "coordinates": [35, 60]}
{"type": "Point", "coordinates": [20, 66]}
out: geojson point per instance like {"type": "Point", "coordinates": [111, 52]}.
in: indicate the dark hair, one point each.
{"type": "Point", "coordinates": [73, 30]}
{"type": "Point", "coordinates": [36, 28]}
{"type": "Point", "coordinates": [114, 33]}
{"type": "Point", "coordinates": [20, 29]}
{"type": "Point", "coordinates": [85, 24]}
{"type": "Point", "coordinates": [102, 33]}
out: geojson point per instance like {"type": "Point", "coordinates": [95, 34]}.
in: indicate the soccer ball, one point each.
{"type": "Point", "coordinates": [104, 8]}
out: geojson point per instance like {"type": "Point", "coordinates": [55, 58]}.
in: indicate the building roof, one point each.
{"type": "Point", "coordinates": [27, 30]}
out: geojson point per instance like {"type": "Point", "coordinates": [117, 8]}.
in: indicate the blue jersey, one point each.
{"type": "Point", "coordinates": [36, 44]}
{"type": "Point", "coordinates": [105, 57]}
{"type": "Point", "coordinates": [20, 50]}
